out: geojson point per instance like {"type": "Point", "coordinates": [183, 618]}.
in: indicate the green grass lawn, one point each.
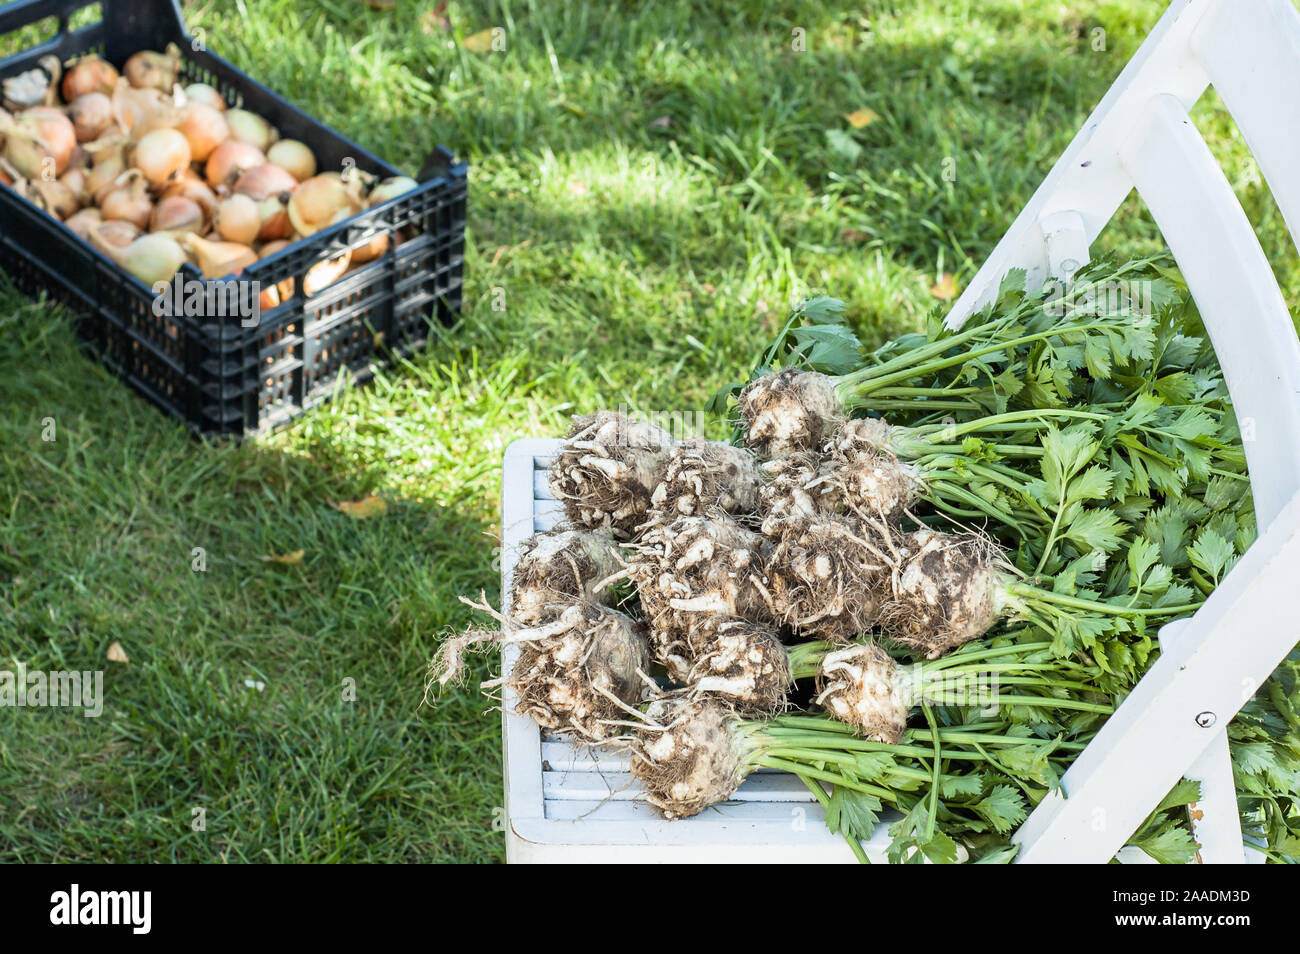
{"type": "Point", "coordinates": [651, 184]}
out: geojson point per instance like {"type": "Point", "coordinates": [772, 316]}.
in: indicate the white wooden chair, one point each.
{"type": "Point", "coordinates": [565, 805]}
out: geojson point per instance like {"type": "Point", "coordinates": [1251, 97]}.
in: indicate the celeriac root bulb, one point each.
{"type": "Point", "coordinates": [561, 564]}
{"type": "Point", "coordinates": [742, 662]}
{"type": "Point", "coordinates": [826, 573]}
{"type": "Point", "coordinates": [607, 470]}
{"type": "Point", "coordinates": [689, 756]}
{"type": "Point", "coordinates": [580, 672]}
{"type": "Point", "coordinates": [789, 411]}
{"type": "Point", "coordinates": [947, 590]}
{"type": "Point", "coordinates": [864, 476]}
{"type": "Point", "coordinates": [702, 475]}
{"type": "Point", "coordinates": [690, 572]}
{"type": "Point", "coordinates": [863, 686]}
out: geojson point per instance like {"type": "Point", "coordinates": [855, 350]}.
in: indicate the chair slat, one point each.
{"type": "Point", "coordinates": [1235, 291]}
{"type": "Point", "coordinates": [1252, 52]}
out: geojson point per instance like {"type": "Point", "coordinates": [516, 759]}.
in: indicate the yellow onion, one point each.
{"type": "Point", "coordinates": [325, 273]}
{"type": "Point", "coordinates": [176, 214]}
{"type": "Point", "coordinates": [263, 181]}
{"type": "Point", "coordinates": [91, 114]}
{"type": "Point", "coordinates": [75, 181]}
{"type": "Point", "coordinates": [128, 199]}
{"type": "Point", "coordinates": [35, 136]}
{"type": "Point", "coordinates": [283, 290]}
{"type": "Point", "coordinates": [103, 175]}
{"type": "Point", "coordinates": [188, 184]}
{"type": "Point", "coordinates": [230, 159]}
{"type": "Point", "coordinates": [370, 251]}
{"type": "Point", "coordinates": [250, 128]}
{"type": "Point", "coordinates": [293, 157]}
{"type": "Point", "coordinates": [216, 259]}
{"type": "Point", "coordinates": [118, 232]}
{"type": "Point", "coordinates": [391, 188]}
{"type": "Point", "coordinates": [52, 196]}
{"type": "Point", "coordinates": [274, 212]}
{"type": "Point", "coordinates": [149, 69]}
{"type": "Point", "coordinates": [205, 129]}
{"type": "Point", "coordinates": [83, 221]}
{"type": "Point", "coordinates": [150, 258]}
{"type": "Point", "coordinates": [90, 74]}
{"type": "Point", "coordinates": [205, 94]}
{"type": "Point", "coordinates": [161, 154]}
{"type": "Point", "coordinates": [321, 201]}
{"type": "Point", "coordinates": [237, 219]}
{"type": "Point", "coordinates": [131, 105]}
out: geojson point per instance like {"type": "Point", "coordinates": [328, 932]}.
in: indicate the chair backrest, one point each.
{"type": "Point", "coordinates": [1141, 137]}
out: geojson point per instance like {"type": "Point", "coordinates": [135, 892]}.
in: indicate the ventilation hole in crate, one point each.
{"type": "Point", "coordinates": [33, 34]}
{"type": "Point", "coordinates": [87, 16]}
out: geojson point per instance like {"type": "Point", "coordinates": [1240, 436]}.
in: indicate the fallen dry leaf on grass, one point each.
{"type": "Point", "coordinates": [861, 118]}
{"type": "Point", "coordinates": [371, 506]}
{"type": "Point", "coordinates": [116, 653]}
{"type": "Point", "coordinates": [945, 289]}
{"type": "Point", "coordinates": [480, 42]}
{"type": "Point", "coordinates": [291, 559]}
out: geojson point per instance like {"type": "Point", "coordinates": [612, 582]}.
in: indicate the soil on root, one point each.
{"type": "Point", "coordinates": [607, 470]}
{"type": "Point", "coordinates": [688, 757]}
{"type": "Point", "coordinates": [862, 685]}
{"type": "Point", "coordinates": [864, 477]}
{"type": "Point", "coordinates": [701, 476]}
{"type": "Point", "coordinates": [789, 411]}
{"type": "Point", "coordinates": [585, 676]}
{"type": "Point", "coordinates": [560, 566]}
{"type": "Point", "coordinates": [943, 593]}
{"type": "Point", "coordinates": [745, 664]}
{"type": "Point", "coordinates": [826, 574]}
{"type": "Point", "coordinates": [693, 570]}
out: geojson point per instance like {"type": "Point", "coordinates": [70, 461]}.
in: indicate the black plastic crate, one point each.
{"type": "Point", "coordinates": [215, 374]}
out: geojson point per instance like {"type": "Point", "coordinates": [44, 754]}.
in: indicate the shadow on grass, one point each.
{"type": "Point", "coordinates": [127, 530]}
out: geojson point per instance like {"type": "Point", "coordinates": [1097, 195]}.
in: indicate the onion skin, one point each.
{"type": "Point", "coordinates": [131, 105]}
{"type": "Point", "coordinates": [205, 94]}
{"type": "Point", "coordinates": [83, 221]}
{"type": "Point", "coordinates": [391, 188]}
{"type": "Point", "coordinates": [293, 157]}
{"type": "Point", "coordinates": [90, 74]}
{"type": "Point", "coordinates": [274, 213]}
{"type": "Point", "coordinates": [36, 135]}
{"type": "Point", "coordinates": [229, 160]}
{"type": "Point", "coordinates": [217, 259]}
{"type": "Point", "coordinates": [161, 154]}
{"type": "Point", "coordinates": [129, 200]}
{"type": "Point", "coordinates": [75, 180]}
{"type": "Point", "coordinates": [262, 182]}
{"type": "Point", "coordinates": [319, 202]}
{"type": "Point", "coordinates": [370, 251]}
{"type": "Point", "coordinates": [149, 69]}
{"type": "Point", "coordinates": [150, 258]}
{"type": "Point", "coordinates": [237, 219]}
{"type": "Point", "coordinates": [103, 176]}
{"type": "Point", "coordinates": [90, 114]}
{"type": "Point", "coordinates": [188, 184]}
{"type": "Point", "coordinates": [205, 129]}
{"type": "Point", "coordinates": [323, 274]}
{"type": "Point", "coordinates": [176, 214]}
{"type": "Point", "coordinates": [251, 128]}
{"type": "Point", "coordinates": [118, 232]}
{"type": "Point", "coordinates": [52, 196]}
